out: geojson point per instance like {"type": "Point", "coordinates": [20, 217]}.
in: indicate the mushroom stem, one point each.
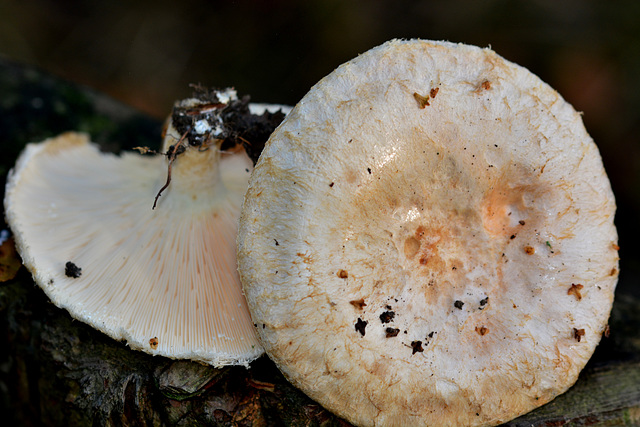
{"type": "Point", "coordinates": [193, 173]}
{"type": "Point", "coordinates": [196, 176]}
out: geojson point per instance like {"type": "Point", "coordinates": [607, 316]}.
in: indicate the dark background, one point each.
{"type": "Point", "coordinates": [147, 53]}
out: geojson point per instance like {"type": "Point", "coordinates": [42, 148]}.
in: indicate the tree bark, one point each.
{"type": "Point", "coordinates": [58, 371]}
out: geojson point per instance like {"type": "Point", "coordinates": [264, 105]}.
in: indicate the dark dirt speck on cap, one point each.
{"type": "Point", "coordinates": [72, 270]}
{"type": "Point", "coordinates": [391, 332]}
{"type": "Point", "coordinates": [360, 325]}
{"type": "Point", "coordinates": [387, 316]}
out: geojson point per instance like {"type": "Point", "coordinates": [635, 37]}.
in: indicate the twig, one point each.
{"type": "Point", "coordinates": [172, 156]}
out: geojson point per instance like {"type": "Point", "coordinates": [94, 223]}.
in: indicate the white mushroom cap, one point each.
{"type": "Point", "coordinates": [428, 239]}
{"type": "Point", "coordinates": [165, 280]}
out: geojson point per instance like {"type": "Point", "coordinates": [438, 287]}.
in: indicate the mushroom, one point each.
{"type": "Point", "coordinates": [411, 232]}
{"type": "Point", "coordinates": [163, 279]}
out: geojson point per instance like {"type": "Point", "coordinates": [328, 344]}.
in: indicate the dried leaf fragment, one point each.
{"type": "Point", "coordinates": [482, 330]}
{"type": "Point", "coordinates": [9, 260]}
{"type": "Point", "coordinates": [359, 303]}
{"type": "Point", "coordinates": [575, 290]}
{"type": "Point", "coordinates": [423, 101]}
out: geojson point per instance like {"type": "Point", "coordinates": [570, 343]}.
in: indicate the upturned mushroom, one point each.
{"type": "Point", "coordinates": [161, 275]}
{"type": "Point", "coordinates": [428, 239]}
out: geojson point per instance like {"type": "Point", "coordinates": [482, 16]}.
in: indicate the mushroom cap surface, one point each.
{"type": "Point", "coordinates": [165, 279]}
{"type": "Point", "coordinates": [428, 239]}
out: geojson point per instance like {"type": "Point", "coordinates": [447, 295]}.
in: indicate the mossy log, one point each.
{"type": "Point", "coordinates": [58, 371]}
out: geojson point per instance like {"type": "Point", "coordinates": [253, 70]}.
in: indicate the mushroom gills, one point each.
{"type": "Point", "coordinates": [162, 277]}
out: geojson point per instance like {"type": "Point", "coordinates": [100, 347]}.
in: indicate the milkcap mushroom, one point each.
{"type": "Point", "coordinates": [164, 279]}
{"type": "Point", "coordinates": [416, 234]}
